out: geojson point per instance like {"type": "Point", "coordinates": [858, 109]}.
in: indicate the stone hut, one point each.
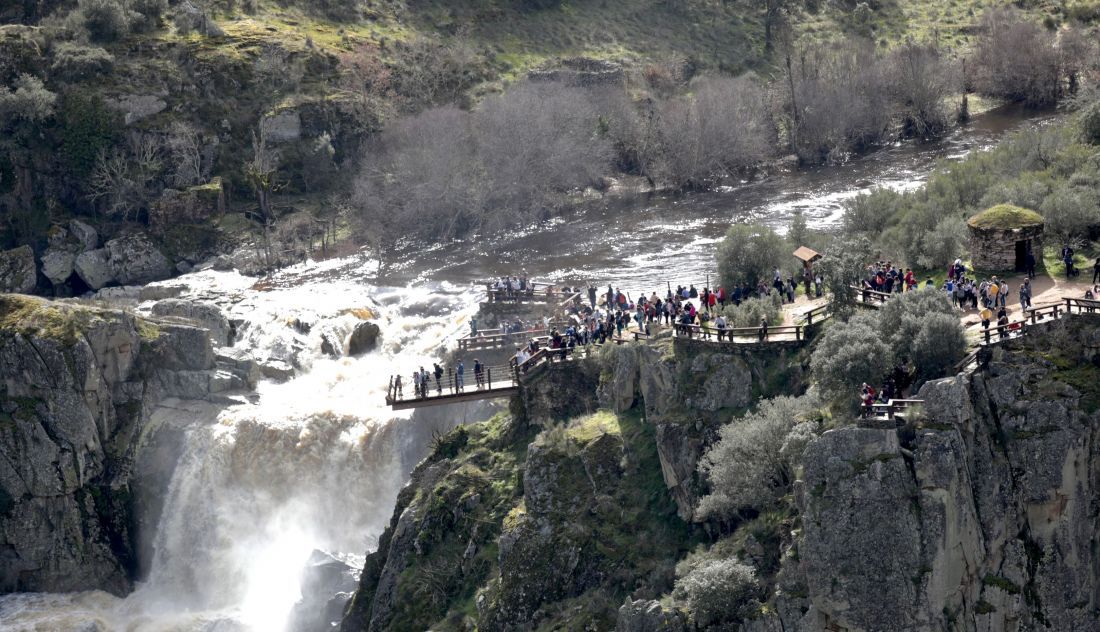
{"type": "Point", "coordinates": [1002, 235]}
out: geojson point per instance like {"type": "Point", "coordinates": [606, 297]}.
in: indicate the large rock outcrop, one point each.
{"type": "Point", "coordinates": [77, 388]}
{"type": "Point", "coordinates": [980, 516]}
{"type": "Point", "coordinates": [17, 270]}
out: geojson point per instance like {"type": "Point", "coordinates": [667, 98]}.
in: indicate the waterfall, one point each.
{"type": "Point", "coordinates": [314, 463]}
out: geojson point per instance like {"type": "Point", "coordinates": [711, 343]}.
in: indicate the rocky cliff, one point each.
{"type": "Point", "coordinates": [78, 387]}
{"type": "Point", "coordinates": [556, 512]}
{"type": "Point", "coordinates": [978, 516]}
{"type": "Point", "coordinates": [977, 513]}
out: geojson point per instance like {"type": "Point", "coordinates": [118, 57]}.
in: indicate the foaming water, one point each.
{"type": "Point", "coordinates": [316, 462]}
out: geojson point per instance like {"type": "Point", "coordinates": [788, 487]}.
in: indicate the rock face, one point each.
{"type": "Point", "coordinates": [77, 386]}
{"type": "Point", "coordinates": [92, 268]}
{"type": "Point", "coordinates": [17, 270]}
{"type": "Point", "coordinates": [980, 517]}
{"type": "Point", "coordinates": [133, 259]}
{"type": "Point", "coordinates": [203, 315]}
{"type": "Point", "coordinates": [363, 339]}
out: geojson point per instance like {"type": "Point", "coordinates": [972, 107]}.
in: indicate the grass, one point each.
{"type": "Point", "coordinates": [1005, 217]}
{"type": "Point", "coordinates": [1082, 260]}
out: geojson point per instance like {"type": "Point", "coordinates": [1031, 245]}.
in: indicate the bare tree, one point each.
{"type": "Point", "coordinates": [185, 151]}
{"type": "Point", "coordinates": [1016, 59]}
{"type": "Point", "coordinates": [262, 173]}
{"type": "Point", "coordinates": [722, 127]}
{"type": "Point", "coordinates": [537, 141]}
{"type": "Point", "coordinates": [920, 79]}
{"type": "Point", "coordinates": [836, 100]}
{"type": "Point", "coordinates": [126, 180]}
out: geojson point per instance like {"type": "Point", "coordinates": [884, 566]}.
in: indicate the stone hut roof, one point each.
{"type": "Point", "coordinates": [1005, 217]}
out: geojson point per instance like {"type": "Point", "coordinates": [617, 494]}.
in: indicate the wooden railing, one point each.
{"type": "Point", "coordinates": [871, 297]}
{"type": "Point", "coordinates": [492, 378]}
{"type": "Point", "coordinates": [535, 293]}
{"type": "Point", "coordinates": [818, 314]}
{"type": "Point", "coordinates": [1082, 306]}
{"type": "Point", "coordinates": [893, 407]}
{"type": "Point", "coordinates": [762, 334]}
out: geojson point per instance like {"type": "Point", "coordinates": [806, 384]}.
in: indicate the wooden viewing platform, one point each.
{"type": "Point", "coordinates": [499, 381]}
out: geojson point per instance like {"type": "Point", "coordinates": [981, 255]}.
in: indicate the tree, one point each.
{"type": "Point", "coordinates": [723, 126]}
{"type": "Point", "coordinates": [1016, 59]}
{"type": "Point", "coordinates": [718, 591]}
{"type": "Point", "coordinates": [797, 232]}
{"type": "Point", "coordinates": [848, 355]}
{"type": "Point", "coordinates": [920, 79]}
{"type": "Point", "coordinates": [747, 467]}
{"type": "Point", "coordinates": [24, 110]}
{"type": "Point", "coordinates": [127, 180]}
{"type": "Point", "coordinates": [1070, 212]}
{"type": "Point", "coordinates": [842, 266]}
{"type": "Point", "coordinates": [750, 252]}
{"type": "Point", "coordinates": [262, 172]}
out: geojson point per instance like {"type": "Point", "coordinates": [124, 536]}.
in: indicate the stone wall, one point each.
{"type": "Point", "coordinates": [995, 250]}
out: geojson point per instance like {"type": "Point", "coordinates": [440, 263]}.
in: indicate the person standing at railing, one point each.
{"type": "Point", "coordinates": [397, 386]}
{"type": "Point", "coordinates": [473, 326]}
{"type": "Point", "coordinates": [479, 377]}
{"type": "Point", "coordinates": [438, 370]}
{"type": "Point", "coordinates": [459, 376]}
{"type": "Point", "coordinates": [1025, 295]}
{"type": "Point", "coordinates": [763, 329]}
{"type": "Point", "coordinates": [720, 325]}
{"type": "Point", "coordinates": [1002, 322]}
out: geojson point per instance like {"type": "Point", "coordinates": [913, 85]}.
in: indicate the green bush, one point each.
{"type": "Point", "coordinates": [29, 102]}
{"type": "Point", "coordinates": [747, 467]}
{"type": "Point", "coordinates": [1070, 212]}
{"type": "Point", "coordinates": [749, 312]}
{"type": "Point", "coordinates": [848, 355]}
{"type": "Point", "coordinates": [105, 20]}
{"type": "Point", "coordinates": [147, 15]}
{"type": "Point", "coordinates": [1090, 123]}
{"type": "Point", "coordinates": [921, 326]}
{"type": "Point", "coordinates": [75, 62]}
{"type": "Point", "coordinates": [87, 129]}
{"type": "Point", "coordinates": [749, 252]}
{"type": "Point", "coordinates": [718, 591]}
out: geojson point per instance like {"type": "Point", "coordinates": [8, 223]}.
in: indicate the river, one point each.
{"type": "Point", "coordinates": [316, 462]}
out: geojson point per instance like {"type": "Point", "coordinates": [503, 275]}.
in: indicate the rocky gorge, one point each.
{"type": "Point", "coordinates": [977, 514]}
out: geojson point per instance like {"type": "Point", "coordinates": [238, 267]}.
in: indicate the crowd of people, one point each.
{"type": "Point", "coordinates": [694, 312]}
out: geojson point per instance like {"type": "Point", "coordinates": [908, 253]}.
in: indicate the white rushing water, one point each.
{"type": "Point", "coordinates": [316, 462]}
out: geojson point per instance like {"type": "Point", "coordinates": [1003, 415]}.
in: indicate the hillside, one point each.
{"type": "Point", "coordinates": [209, 123]}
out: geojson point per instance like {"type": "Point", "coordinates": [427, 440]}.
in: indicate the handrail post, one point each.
{"type": "Point", "coordinates": [490, 375]}
{"type": "Point", "coordinates": [987, 335]}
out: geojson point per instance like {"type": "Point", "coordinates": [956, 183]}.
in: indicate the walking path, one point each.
{"type": "Point", "coordinates": [1052, 298]}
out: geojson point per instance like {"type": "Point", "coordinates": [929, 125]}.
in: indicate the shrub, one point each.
{"type": "Point", "coordinates": [746, 467]}
{"type": "Point", "coordinates": [870, 213]}
{"type": "Point", "coordinates": [75, 62]}
{"type": "Point", "coordinates": [749, 312]}
{"type": "Point", "coordinates": [722, 127]}
{"type": "Point", "coordinates": [919, 325]}
{"type": "Point", "coordinates": [750, 252]}
{"type": "Point", "coordinates": [848, 355]}
{"type": "Point", "coordinates": [1016, 59]}
{"type": "Point", "coordinates": [1070, 212]}
{"type": "Point", "coordinates": [29, 102]}
{"type": "Point", "coordinates": [147, 15]}
{"type": "Point", "coordinates": [938, 345]}
{"type": "Point", "coordinates": [718, 591]}
{"type": "Point", "coordinates": [105, 20]}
